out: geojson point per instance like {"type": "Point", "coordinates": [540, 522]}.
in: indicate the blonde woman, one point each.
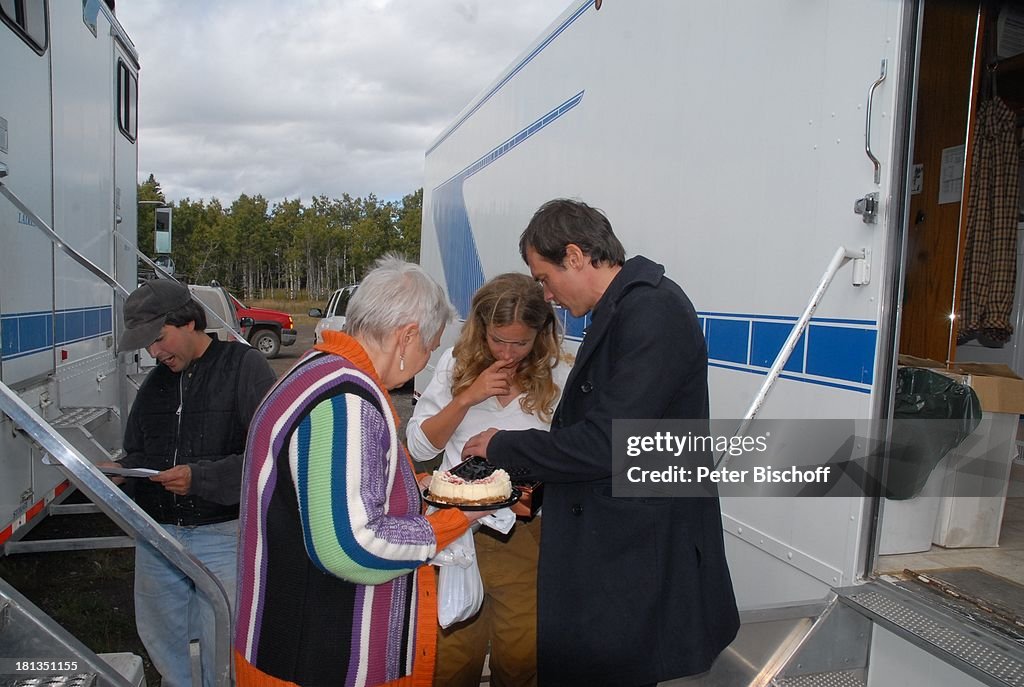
{"type": "Point", "coordinates": [506, 371]}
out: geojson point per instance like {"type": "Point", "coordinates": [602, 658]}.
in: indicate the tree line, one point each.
{"type": "Point", "coordinates": [303, 251]}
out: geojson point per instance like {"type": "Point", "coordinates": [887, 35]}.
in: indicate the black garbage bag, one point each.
{"type": "Point", "coordinates": [932, 415]}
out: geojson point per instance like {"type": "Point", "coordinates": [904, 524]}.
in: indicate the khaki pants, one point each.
{"type": "Point", "coordinates": [507, 618]}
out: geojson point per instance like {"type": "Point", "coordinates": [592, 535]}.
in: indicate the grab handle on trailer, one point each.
{"type": "Point", "coordinates": [867, 123]}
{"type": "Point", "coordinates": [840, 257]}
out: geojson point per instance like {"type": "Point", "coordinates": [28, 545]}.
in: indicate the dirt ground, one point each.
{"type": "Point", "coordinates": [90, 593]}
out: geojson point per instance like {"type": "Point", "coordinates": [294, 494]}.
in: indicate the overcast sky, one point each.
{"type": "Point", "coordinates": [303, 98]}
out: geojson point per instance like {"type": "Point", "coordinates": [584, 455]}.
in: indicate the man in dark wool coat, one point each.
{"type": "Point", "coordinates": [631, 591]}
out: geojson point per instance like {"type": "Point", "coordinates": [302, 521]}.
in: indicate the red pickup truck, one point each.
{"type": "Point", "coordinates": [271, 329]}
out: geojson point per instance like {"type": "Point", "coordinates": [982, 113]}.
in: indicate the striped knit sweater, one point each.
{"type": "Point", "coordinates": [332, 589]}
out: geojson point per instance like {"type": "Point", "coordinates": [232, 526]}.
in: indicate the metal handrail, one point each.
{"type": "Point", "coordinates": [92, 267]}
{"type": "Point", "coordinates": [59, 242]}
{"type": "Point", "coordinates": [132, 519]}
{"type": "Point", "coordinates": [167, 275]}
{"type": "Point", "coordinates": [840, 257]}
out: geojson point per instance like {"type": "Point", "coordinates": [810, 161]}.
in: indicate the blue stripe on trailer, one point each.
{"type": "Point", "coordinates": [728, 340]}
{"type": "Point", "coordinates": [841, 353]}
{"type": "Point", "coordinates": [26, 333]}
{"type": "Point", "coordinates": [767, 340]}
{"type": "Point", "coordinates": [508, 77]}
{"type": "Point", "coordinates": [806, 380]}
{"type": "Point", "coordinates": [840, 350]}
{"type": "Point", "coordinates": [460, 258]}
{"type": "Point", "coordinates": [785, 318]}
{"type": "Point", "coordinates": [573, 327]}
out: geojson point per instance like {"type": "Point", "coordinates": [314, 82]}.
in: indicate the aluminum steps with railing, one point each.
{"type": "Point", "coordinates": [36, 651]}
{"type": "Point", "coordinates": [90, 430]}
{"type": "Point", "coordinates": [116, 505]}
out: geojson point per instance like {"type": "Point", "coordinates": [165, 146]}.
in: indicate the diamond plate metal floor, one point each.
{"type": "Point", "coordinates": [985, 655]}
{"type": "Point", "coordinates": [845, 678]}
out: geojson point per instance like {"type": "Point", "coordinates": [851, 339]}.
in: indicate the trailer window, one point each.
{"type": "Point", "coordinates": [28, 19]}
{"type": "Point", "coordinates": [90, 14]}
{"type": "Point", "coordinates": [127, 101]}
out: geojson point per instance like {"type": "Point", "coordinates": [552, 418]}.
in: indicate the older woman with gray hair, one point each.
{"type": "Point", "coordinates": [332, 586]}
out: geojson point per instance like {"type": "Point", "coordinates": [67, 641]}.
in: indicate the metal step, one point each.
{"type": "Point", "coordinates": [843, 678]}
{"type": "Point", "coordinates": [79, 680]}
{"type": "Point", "coordinates": [76, 425]}
{"type": "Point", "coordinates": [73, 418]}
{"type": "Point", "coordinates": [977, 651]}
{"type": "Point", "coordinates": [67, 544]}
{"type": "Point", "coordinates": [25, 630]}
{"type": "Point", "coordinates": [91, 430]}
{"type": "Point", "coordinates": [767, 641]}
{"type": "Point", "coordinates": [128, 665]}
{"type": "Point", "coordinates": [75, 509]}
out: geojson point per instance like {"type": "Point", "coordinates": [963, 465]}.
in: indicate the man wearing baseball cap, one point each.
{"type": "Point", "coordinates": [189, 421]}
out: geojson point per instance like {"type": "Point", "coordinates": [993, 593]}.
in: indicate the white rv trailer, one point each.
{"type": "Point", "coordinates": [791, 164]}
{"type": "Point", "coordinates": [68, 209]}
{"type": "Point", "coordinates": [68, 153]}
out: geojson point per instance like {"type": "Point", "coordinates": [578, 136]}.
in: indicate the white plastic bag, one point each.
{"type": "Point", "coordinates": [459, 589]}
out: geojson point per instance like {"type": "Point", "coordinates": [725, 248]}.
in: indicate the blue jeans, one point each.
{"type": "Point", "coordinates": [170, 611]}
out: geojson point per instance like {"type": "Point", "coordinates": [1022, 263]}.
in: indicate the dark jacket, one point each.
{"type": "Point", "coordinates": [217, 396]}
{"type": "Point", "coordinates": [630, 590]}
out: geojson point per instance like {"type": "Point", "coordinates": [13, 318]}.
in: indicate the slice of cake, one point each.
{"type": "Point", "coordinates": [458, 491]}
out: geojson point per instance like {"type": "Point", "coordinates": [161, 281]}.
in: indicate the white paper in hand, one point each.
{"type": "Point", "coordinates": [128, 472]}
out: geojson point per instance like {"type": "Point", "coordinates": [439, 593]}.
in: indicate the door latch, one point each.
{"type": "Point", "coordinates": [867, 208]}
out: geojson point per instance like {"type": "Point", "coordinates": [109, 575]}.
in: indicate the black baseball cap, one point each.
{"type": "Point", "coordinates": [146, 311]}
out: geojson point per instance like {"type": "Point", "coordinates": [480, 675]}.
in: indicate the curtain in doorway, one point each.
{"type": "Point", "coordinates": [990, 254]}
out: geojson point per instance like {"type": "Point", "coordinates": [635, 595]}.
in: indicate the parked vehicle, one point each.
{"type": "Point", "coordinates": [219, 302]}
{"type": "Point", "coordinates": [333, 316]}
{"type": "Point", "coordinates": [270, 330]}
{"type": "Point", "coordinates": [801, 174]}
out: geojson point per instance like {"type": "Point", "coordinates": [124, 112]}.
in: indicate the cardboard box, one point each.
{"type": "Point", "coordinates": [998, 387]}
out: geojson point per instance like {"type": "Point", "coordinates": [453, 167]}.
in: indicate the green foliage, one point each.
{"type": "Point", "coordinates": [150, 197]}
{"type": "Point", "coordinates": [410, 219]}
{"type": "Point", "coordinates": [302, 252]}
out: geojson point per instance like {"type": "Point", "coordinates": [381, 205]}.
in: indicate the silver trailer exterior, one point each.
{"type": "Point", "coordinates": [762, 151]}
{"type": "Point", "coordinates": [71, 158]}
{"type": "Point", "coordinates": [68, 258]}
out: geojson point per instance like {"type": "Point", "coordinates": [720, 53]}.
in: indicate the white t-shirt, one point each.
{"type": "Point", "coordinates": [487, 413]}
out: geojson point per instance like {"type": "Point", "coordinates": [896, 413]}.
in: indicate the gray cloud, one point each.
{"type": "Point", "coordinates": [312, 97]}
